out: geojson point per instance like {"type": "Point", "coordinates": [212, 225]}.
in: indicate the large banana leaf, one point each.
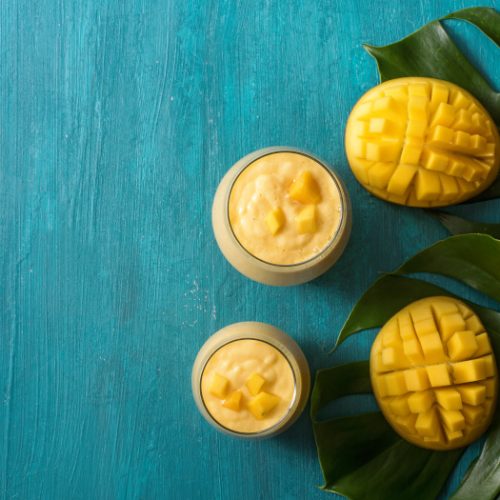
{"type": "Point", "coordinates": [431, 52]}
{"type": "Point", "coordinates": [361, 457]}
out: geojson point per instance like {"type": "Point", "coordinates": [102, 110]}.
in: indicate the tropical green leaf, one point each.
{"type": "Point", "coordinates": [390, 293]}
{"type": "Point", "coordinates": [431, 52]}
{"type": "Point", "coordinates": [484, 474]}
{"type": "Point", "coordinates": [458, 225]}
{"type": "Point", "coordinates": [360, 456]}
{"type": "Point", "coordinates": [473, 259]}
{"type": "Point", "coordinates": [485, 18]}
{"type": "Point", "coordinates": [382, 300]}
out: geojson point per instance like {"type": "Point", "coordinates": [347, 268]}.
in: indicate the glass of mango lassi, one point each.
{"type": "Point", "coordinates": [281, 216]}
{"type": "Point", "coordinates": [250, 380]}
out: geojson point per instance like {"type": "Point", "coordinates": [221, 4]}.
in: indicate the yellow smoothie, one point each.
{"type": "Point", "coordinates": [285, 208]}
{"type": "Point", "coordinates": [247, 386]}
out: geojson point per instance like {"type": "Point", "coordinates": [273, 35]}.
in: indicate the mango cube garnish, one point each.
{"type": "Point", "coordinates": [275, 220]}
{"type": "Point", "coordinates": [233, 401]}
{"type": "Point", "coordinates": [305, 189]}
{"type": "Point", "coordinates": [422, 142]}
{"type": "Point", "coordinates": [255, 383]}
{"type": "Point", "coordinates": [462, 345]}
{"type": "Point", "coordinates": [219, 385]}
{"type": "Point", "coordinates": [306, 220]}
{"type": "Point", "coordinates": [434, 374]}
{"type": "Point", "coordinates": [262, 404]}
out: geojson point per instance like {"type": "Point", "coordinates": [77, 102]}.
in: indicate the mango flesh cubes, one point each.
{"type": "Point", "coordinates": [219, 385]}
{"type": "Point", "coordinates": [305, 189]}
{"type": "Point", "coordinates": [422, 142]}
{"type": "Point", "coordinates": [259, 406]}
{"type": "Point", "coordinates": [434, 373]}
{"type": "Point", "coordinates": [306, 220]}
{"type": "Point", "coordinates": [255, 383]}
{"type": "Point", "coordinates": [275, 220]}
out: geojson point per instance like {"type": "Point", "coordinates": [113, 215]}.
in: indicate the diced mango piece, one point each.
{"type": "Point", "coordinates": [233, 401]}
{"type": "Point", "coordinates": [462, 345]}
{"type": "Point", "coordinates": [419, 89]}
{"type": "Point", "coordinates": [425, 327]}
{"type": "Point", "coordinates": [442, 307]}
{"type": "Point", "coordinates": [392, 357]}
{"type": "Point", "coordinates": [439, 95]}
{"type": "Point", "coordinates": [483, 344]}
{"type": "Point", "coordinates": [379, 125]}
{"type": "Point", "coordinates": [395, 384]}
{"type": "Point", "coordinates": [407, 423]}
{"type": "Point", "coordinates": [435, 161]}
{"type": "Point", "coordinates": [433, 348]}
{"type": "Point", "coordinates": [428, 186]}
{"type": "Point", "coordinates": [413, 351]}
{"type": "Point", "coordinates": [255, 383]}
{"type": "Point", "coordinates": [305, 189]}
{"type": "Point", "coordinates": [489, 365]}
{"type": "Point", "coordinates": [306, 220]}
{"type": "Point", "coordinates": [416, 379]}
{"type": "Point", "coordinates": [391, 336]}
{"type": "Point", "coordinates": [449, 398]}
{"type": "Point", "coordinates": [449, 324]}
{"type": "Point", "coordinates": [473, 414]}
{"type": "Point", "coordinates": [262, 404]}
{"type": "Point", "coordinates": [410, 154]}
{"type": "Point", "coordinates": [452, 436]}
{"type": "Point", "coordinates": [380, 173]}
{"type": "Point", "coordinates": [401, 179]}
{"type": "Point", "coordinates": [419, 402]}
{"type": "Point", "coordinates": [472, 394]}
{"type": "Point", "coordinates": [275, 220]}
{"type": "Point", "coordinates": [450, 189]}
{"type": "Point", "coordinates": [399, 406]}
{"type": "Point", "coordinates": [427, 423]}
{"type": "Point", "coordinates": [438, 375]}
{"type": "Point", "coordinates": [442, 136]}
{"type": "Point", "coordinates": [219, 385]}
{"type": "Point", "coordinates": [452, 419]}
{"type": "Point", "coordinates": [445, 115]}
{"type": "Point", "coordinates": [471, 370]}
{"type": "Point", "coordinates": [420, 312]}
{"type": "Point", "coordinates": [406, 329]}
{"type": "Point", "coordinates": [459, 100]}
{"type": "Point", "coordinates": [383, 151]}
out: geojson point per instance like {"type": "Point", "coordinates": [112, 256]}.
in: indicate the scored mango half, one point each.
{"type": "Point", "coordinates": [422, 142]}
{"type": "Point", "coordinates": [434, 374]}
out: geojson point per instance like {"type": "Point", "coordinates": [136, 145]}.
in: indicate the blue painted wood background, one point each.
{"type": "Point", "coordinates": [118, 119]}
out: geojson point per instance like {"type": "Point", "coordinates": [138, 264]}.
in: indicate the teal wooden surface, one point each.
{"type": "Point", "coordinates": [118, 119]}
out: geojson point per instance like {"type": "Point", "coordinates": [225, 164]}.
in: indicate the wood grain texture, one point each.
{"type": "Point", "coordinates": [118, 119]}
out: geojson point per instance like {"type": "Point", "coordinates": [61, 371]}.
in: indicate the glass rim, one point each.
{"type": "Point", "coordinates": [343, 198]}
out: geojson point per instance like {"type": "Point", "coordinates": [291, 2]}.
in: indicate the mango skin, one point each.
{"type": "Point", "coordinates": [459, 408]}
{"type": "Point", "coordinates": [422, 142]}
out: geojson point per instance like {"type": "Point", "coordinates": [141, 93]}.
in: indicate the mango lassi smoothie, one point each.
{"type": "Point", "coordinates": [285, 208]}
{"type": "Point", "coordinates": [250, 380]}
{"type": "Point", "coordinates": [248, 385]}
{"type": "Point", "coordinates": [281, 216]}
